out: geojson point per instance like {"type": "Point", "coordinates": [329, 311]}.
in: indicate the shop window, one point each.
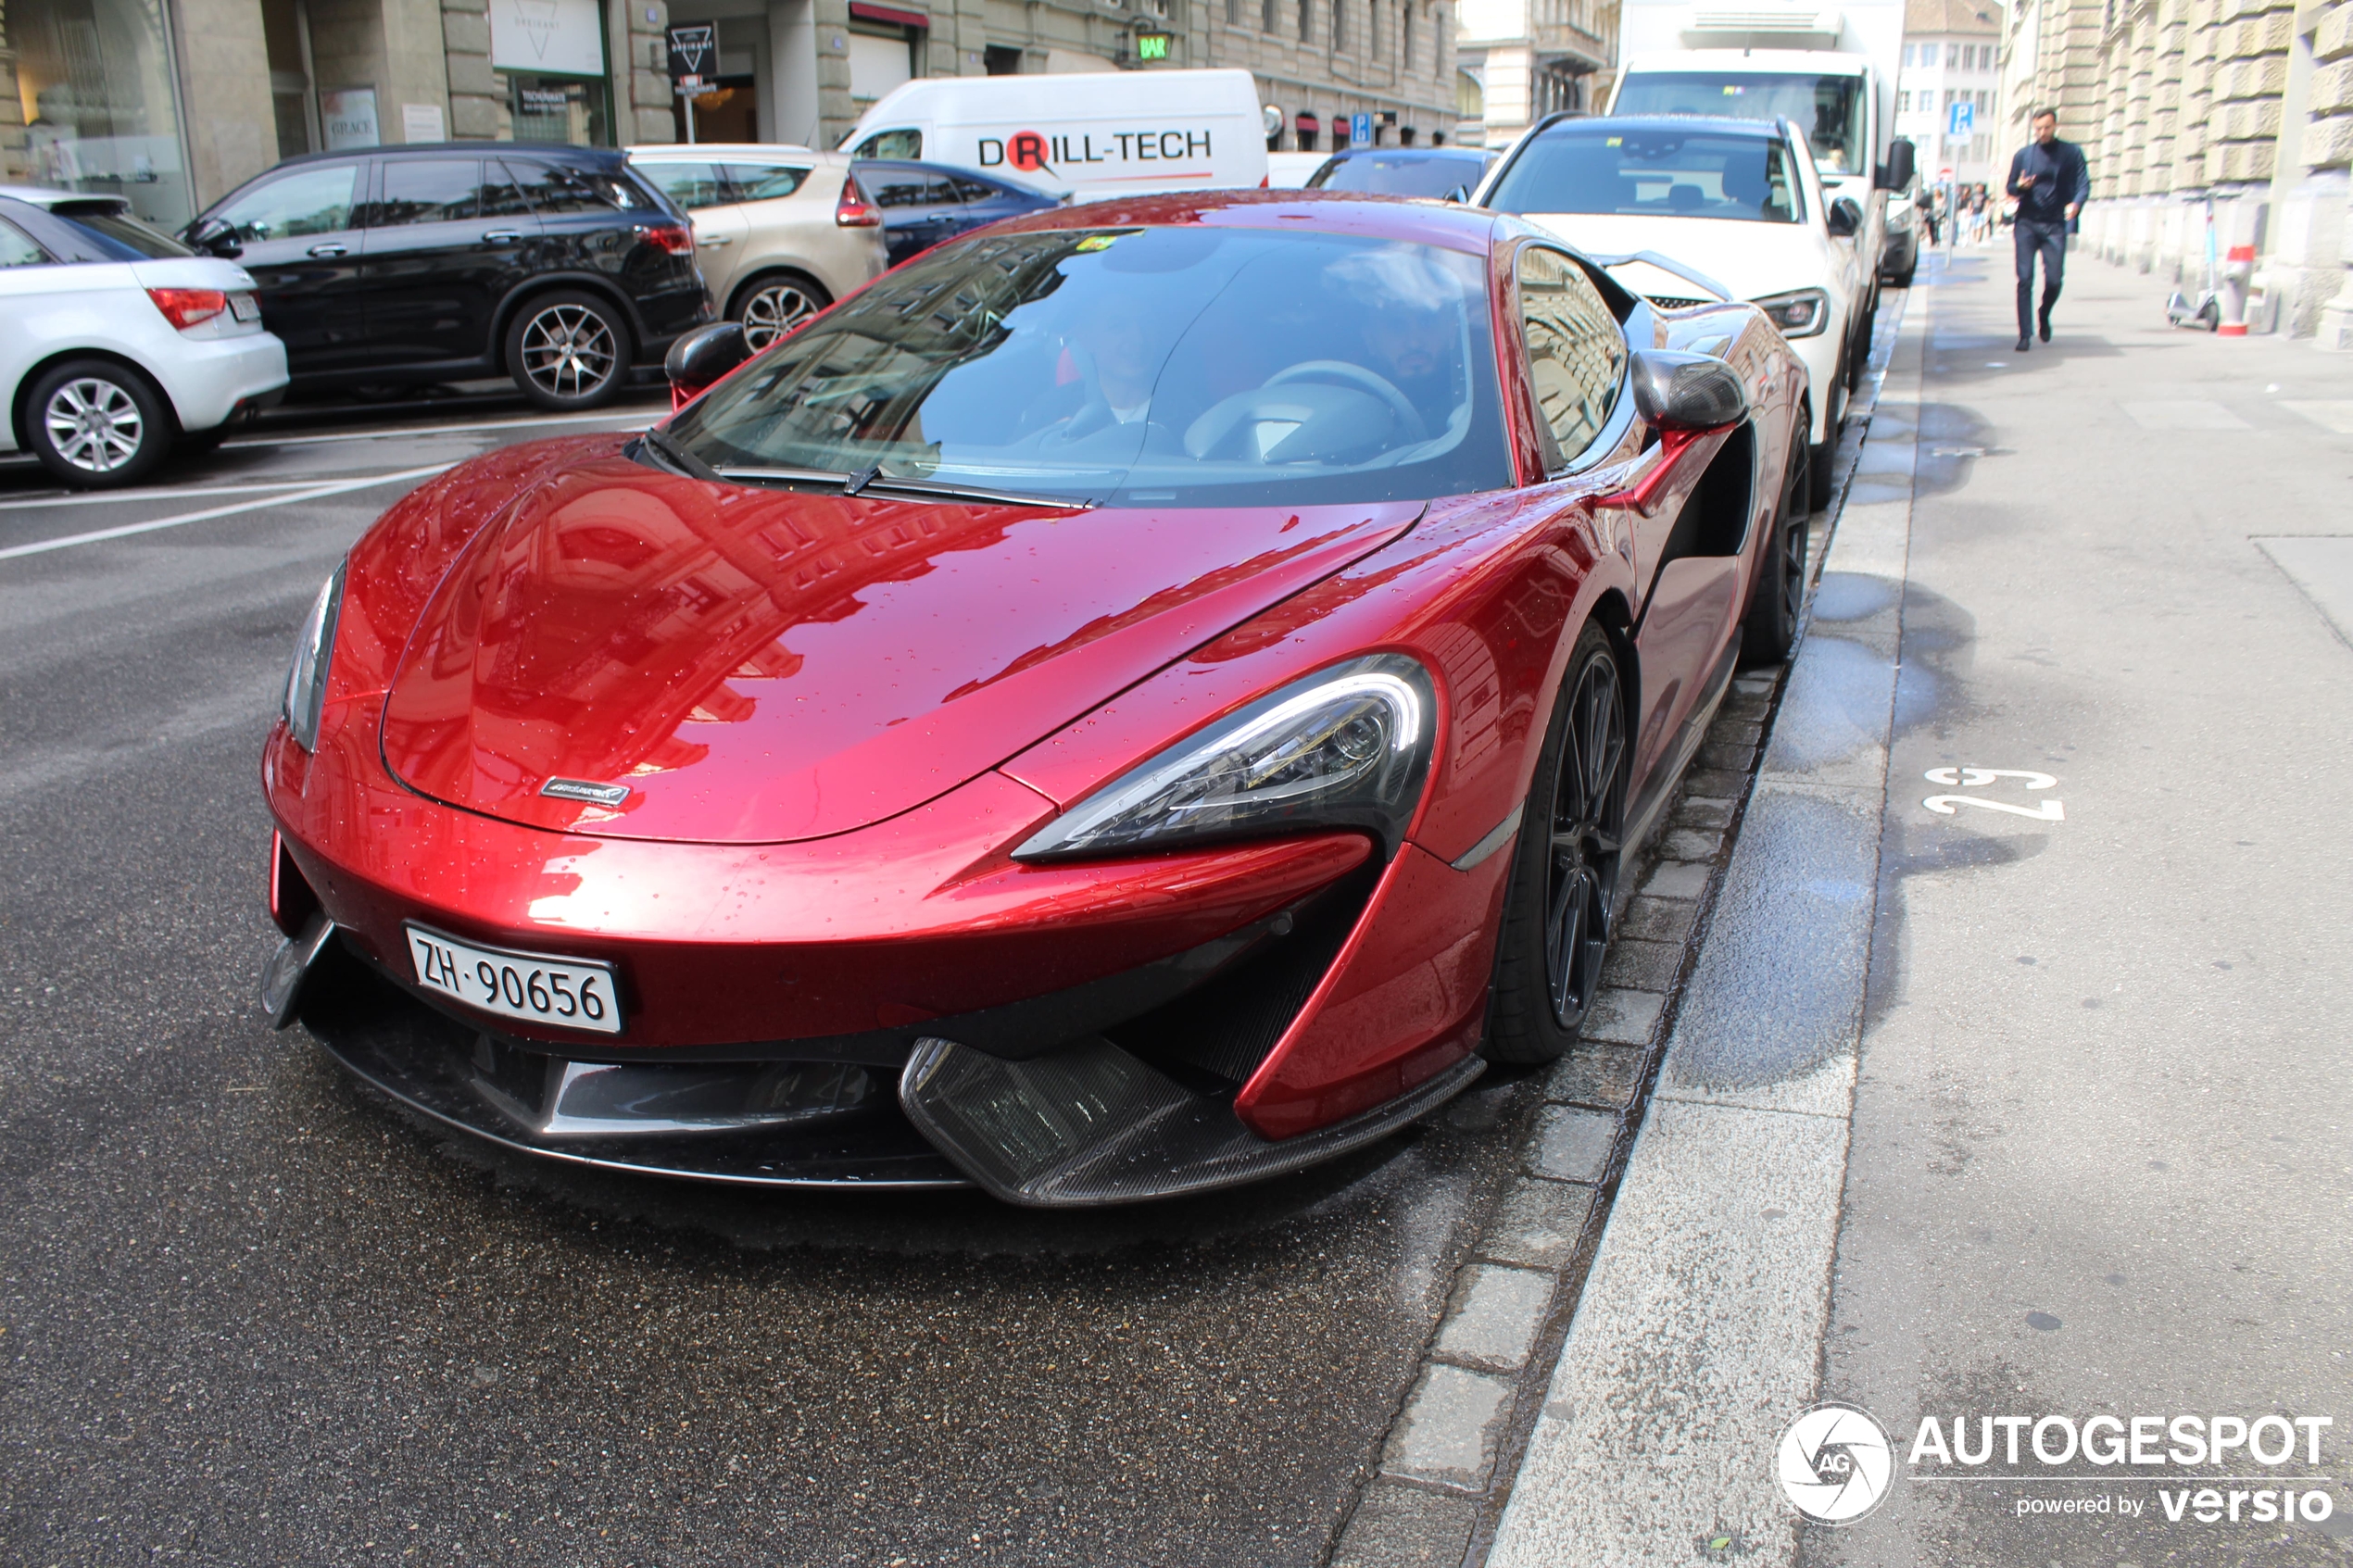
{"type": "Point", "coordinates": [100, 107]}
{"type": "Point", "coordinates": [308, 201]}
{"type": "Point", "coordinates": [556, 108]}
{"type": "Point", "coordinates": [1000, 59]}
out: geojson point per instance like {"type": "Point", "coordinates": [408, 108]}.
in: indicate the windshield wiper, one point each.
{"type": "Point", "coordinates": [674, 457]}
{"type": "Point", "coordinates": [871, 481]}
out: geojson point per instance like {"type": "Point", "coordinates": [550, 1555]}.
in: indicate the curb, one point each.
{"type": "Point", "coordinates": [1445, 1473]}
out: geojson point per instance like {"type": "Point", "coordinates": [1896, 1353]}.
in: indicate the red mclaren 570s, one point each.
{"type": "Point", "coordinates": [1141, 699]}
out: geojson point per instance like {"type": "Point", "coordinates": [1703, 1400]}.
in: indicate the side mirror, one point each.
{"type": "Point", "coordinates": [216, 237]}
{"type": "Point", "coordinates": [1844, 217]}
{"type": "Point", "coordinates": [701, 357]}
{"type": "Point", "coordinates": [1896, 172]}
{"type": "Point", "coordinates": [1687, 391]}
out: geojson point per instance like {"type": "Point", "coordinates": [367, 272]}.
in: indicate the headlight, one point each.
{"type": "Point", "coordinates": [306, 678]}
{"type": "Point", "coordinates": [1348, 746]}
{"type": "Point", "coordinates": [1801, 313]}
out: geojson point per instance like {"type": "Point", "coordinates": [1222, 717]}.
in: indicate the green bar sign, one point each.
{"type": "Point", "coordinates": [1151, 45]}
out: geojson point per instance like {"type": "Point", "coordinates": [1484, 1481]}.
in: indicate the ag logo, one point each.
{"type": "Point", "coordinates": [1834, 1464]}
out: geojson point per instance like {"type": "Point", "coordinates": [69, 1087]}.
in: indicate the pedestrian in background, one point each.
{"type": "Point", "coordinates": [2051, 183]}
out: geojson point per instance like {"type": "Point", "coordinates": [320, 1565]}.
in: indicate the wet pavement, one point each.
{"type": "Point", "coordinates": [250, 1313]}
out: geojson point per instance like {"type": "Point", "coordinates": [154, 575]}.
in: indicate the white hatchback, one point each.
{"type": "Point", "coordinates": [117, 343]}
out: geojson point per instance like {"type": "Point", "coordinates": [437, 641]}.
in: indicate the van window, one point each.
{"type": "Point", "coordinates": [891, 144]}
{"type": "Point", "coordinates": [1136, 367]}
{"type": "Point", "coordinates": [1575, 353]}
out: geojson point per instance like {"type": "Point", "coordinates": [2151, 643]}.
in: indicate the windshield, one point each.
{"type": "Point", "coordinates": [1399, 174]}
{"type": "Point", "coordinates": [1590, 166]}
{"type": "Point", "coordinates": [1827, 109]}
{"type": "Point", "coordinates": [115, 233]}
{"type": "Point", "coordinates": [1134, 366]}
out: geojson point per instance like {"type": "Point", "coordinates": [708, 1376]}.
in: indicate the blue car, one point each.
{"type": "Point", "coordinates": [924, 204]}
{"type": "Point", "coordinates": [1404, 172]}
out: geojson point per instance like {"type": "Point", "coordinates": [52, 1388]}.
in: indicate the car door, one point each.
{"type": "Point", "coordinates": [700, 190]}
{"type": "Point", "coordinates": [919, 208]}
{"type": "Point", "coordinates": [1687, 578]}
{"type": "Point", "coordinates": [445, 240]}
{"type": "Point", "coordinates": [298, 234]}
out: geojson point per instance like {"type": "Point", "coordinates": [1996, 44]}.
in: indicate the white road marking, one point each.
{"type": "Point", "coordinates": [394, 434]}
{"type": "Point", "coordinates": [2184, 413]}
{"type": "Point", "coordinates": [107, 497]}
{"type": "Point", "coordinates": [318, 493]}
{"type": "Point", "coordinates": [2329, 413]}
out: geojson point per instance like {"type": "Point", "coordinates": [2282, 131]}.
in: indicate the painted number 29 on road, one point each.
{"type": "Point", "coordinates": [539, 988]}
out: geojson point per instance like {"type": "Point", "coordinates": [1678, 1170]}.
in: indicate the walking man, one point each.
{"type": "Point", "coordinates": [2051, 182]}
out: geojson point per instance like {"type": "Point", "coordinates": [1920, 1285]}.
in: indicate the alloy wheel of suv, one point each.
{"type": "Point", "coordinates": [774, 306]}
{"type": "Point", "coordinates": [568, 351]}
{"type": "Point", "coordinates": [95, 424]}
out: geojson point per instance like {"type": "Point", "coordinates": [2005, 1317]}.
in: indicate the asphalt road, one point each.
{"type": "Point", "coordinates": [250, 1313]}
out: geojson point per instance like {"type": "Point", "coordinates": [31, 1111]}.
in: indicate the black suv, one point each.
{"type": "Point", "coordinates": [411, 265]}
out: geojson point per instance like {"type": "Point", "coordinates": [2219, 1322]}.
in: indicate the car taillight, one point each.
{"type": "Point", "coordinates": [189, 307]}
{"type": "Point", "coordinates": [675, 238]}
{"type": "Point", "coordinates": [853, 211]}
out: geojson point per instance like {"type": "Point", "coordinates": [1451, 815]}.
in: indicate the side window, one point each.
{"type": "Point", "coordinates": [975, 190]}
{"type": "Point", "coordinates": [691, 185]}
{"type": "Point", "coordinates": [761, 181]}
{"type": "Point", "coordinates": [894, 192]}
{"type": "Point", "coordinates": [16, 248]}
{"type": "Point", "coordinates": [310, 201]}
{"type": "Point", "coordinates": [891, 144]}
{"type": "Point", "coordinates": [1575, 353]}
{"type": "Point", "coordinates": [501, 198]}
{"type": "Point", "coordinates": [427, 189]}
{"type": "Point", "coordinates": [553, 190]}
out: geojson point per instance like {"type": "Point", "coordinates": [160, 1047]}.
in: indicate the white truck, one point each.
{"type": "Point", "coordinates": [1832, 71]}
{"type": "Point", "coordinates": [1087, 135]}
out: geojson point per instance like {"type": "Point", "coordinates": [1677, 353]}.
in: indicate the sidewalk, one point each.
{"type": "Point", "coordinates": [1972, 1111]}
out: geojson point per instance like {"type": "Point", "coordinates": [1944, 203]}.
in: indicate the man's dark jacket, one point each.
{"type": "Point", "coordinates": [2061, 178]}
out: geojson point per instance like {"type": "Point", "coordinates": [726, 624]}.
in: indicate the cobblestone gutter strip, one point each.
{"type": "Point", "coordinates": [1445, 1473]}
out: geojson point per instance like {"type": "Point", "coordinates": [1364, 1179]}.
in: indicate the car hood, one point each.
{"type": "Point", "coordinates": [1751, 259]}
{"type": "Point", "coordinates": [759, 666]}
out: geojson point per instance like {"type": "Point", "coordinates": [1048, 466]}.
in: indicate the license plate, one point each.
{"type": "Point", "coordinates": [537, 988]}
{"type": "Point", "coordinates": [244, 308]}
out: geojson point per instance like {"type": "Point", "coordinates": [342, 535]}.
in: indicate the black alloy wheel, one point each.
{"type": "Point", "coordinates": [774, 304]}
{"type": "Point", "coordinates": [1769, 629]}
{"type": "Point", "coordinates": [1562, 902]}
{"type": "Point", "coordinates": [97, 424]}
{"type": "Point", "coordinates": [568, 350]}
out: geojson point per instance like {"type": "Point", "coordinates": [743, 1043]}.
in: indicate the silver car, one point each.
{"type": "Point", "coordinates": [782, 232]}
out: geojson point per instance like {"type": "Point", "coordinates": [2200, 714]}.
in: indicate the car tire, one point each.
{"type": "Point", "coordinates": [1562, 901]}
{"type": "Point", "coordinates": [774, 304]}
{"type": "Point", "coordinates": [97, 424]}
{"type": "Point", "coordinates": [568, 350]}
{"type": "Point", "coordinates": [1769, 629]}
{"type": "Point", "coordinates": [1904, 280]}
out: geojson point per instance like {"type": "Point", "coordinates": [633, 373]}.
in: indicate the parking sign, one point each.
{"type": "Point", "coordinates": [1360, 130]}
{"type": "Point", "coordinates": [1960, 121]}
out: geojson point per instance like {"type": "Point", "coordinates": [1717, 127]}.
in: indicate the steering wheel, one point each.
{"type": "Point", "coordinates": [1356, 375]}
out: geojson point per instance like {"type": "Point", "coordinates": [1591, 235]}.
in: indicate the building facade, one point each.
{"type": "Point", "coordinates": [2240, 107]}
{"type": "Point", "coordinates": [1519, 60]}
{"type": "Point", "coordinates": [174, 103]}
{"type": "Point", "coordinates": [1952, 52]}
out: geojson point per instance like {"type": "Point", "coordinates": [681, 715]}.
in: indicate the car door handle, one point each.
{"type": "Point", "coordinates": [501, 236]}
{"type": "Point", "coordinates": [323, 252]}
{"type": "Point", "coordinates": [715, 241]}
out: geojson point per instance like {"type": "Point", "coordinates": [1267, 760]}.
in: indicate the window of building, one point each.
{"type": "Point", "coordinates": [1000, 59]}
{"type": "Point", "coordinates": [1339, 24]}
{"type": "Point", "coordinates": [1306, 21]}
{"type": "Point", "coordinates": [1928, 54]}
{"type": "Point", "coordinates": [1405, 38]}
{"type": "Point", "coordinates": [99, 101]}
{"type": "Point", "coordinates": [1576, 354]}
{"type": "Point", "coordinates": [1266, 16]}
{"type": "Point", "coordinates": [555, 108]}
{"type": "Point", "coordinates": [1373, 27]}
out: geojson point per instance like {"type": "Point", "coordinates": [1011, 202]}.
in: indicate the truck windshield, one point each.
{"type": "Point", "coordinates": [1659, 171]}
{"type": "Point", "coordinates": [1132, 367]}
{"type": "Point", "coordinates": [1827, 109]}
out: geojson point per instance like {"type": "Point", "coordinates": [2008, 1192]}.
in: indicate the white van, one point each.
{"type": "Point", "coordinates": [1088, 135]}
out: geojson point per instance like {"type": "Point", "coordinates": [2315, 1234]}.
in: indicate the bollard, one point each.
{"type": "Point", "coordinates": [2237, 268]}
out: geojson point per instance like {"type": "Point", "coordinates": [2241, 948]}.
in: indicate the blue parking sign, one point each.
{"type": "Point", "coordinates": [1360, 130]}
{"type": "Point", "coordinates": [1960, 121]}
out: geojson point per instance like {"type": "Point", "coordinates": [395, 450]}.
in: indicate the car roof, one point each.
{"type": "Point", "coordinates": [655, 152]}
{"type": "Point", "coordinates": [1415, 153]}
{"type": "Point", "coordinates": [922, 165]}
{"type": "Point", "coordinates": [607, 156]}
{"type": "Point", "coordinates": [1763, 130]}
{"type": "Point", "coordinates": [1448, 226]}
{"type": "Point", "coordinates": [44, 198]}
